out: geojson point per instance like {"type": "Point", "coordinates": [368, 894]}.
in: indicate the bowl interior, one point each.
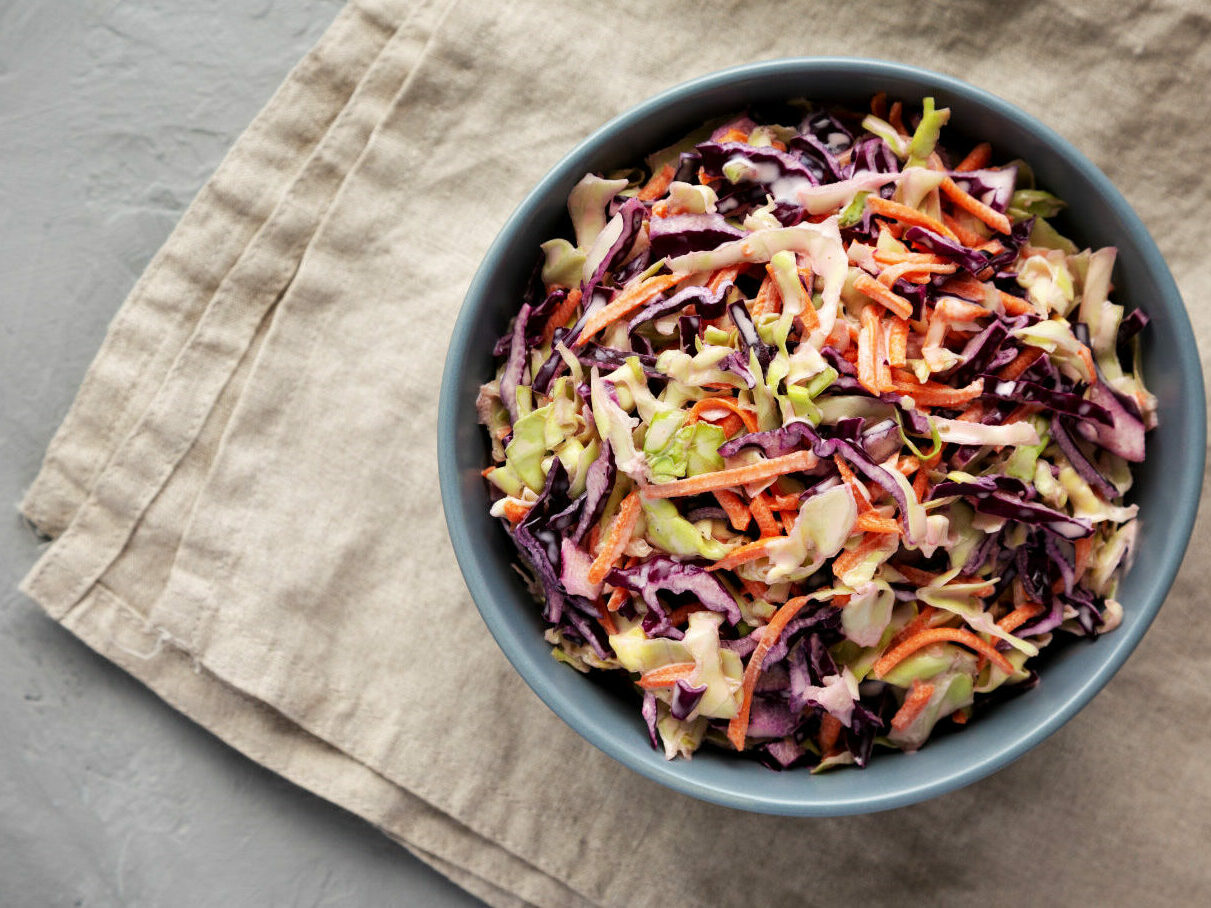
{"type": "Point", "coordinates": [1167, 487]}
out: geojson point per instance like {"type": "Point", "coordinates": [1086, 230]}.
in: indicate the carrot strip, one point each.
{"type": "Point", "coordinates": [1019, 616]}
{"type": "Point", "coordinates": [896, 257]}
{"type": "Point", "coordinates": [870, 522]}
{"type": "Point", "coordinates": [1020, 363]}
{"type": "Point", "coordinates": [967, 236]}
{"type": "Point", "coordinates": [878, 105]}
{"type": "Point", "coordinates": [716, 280]}
{"type": "Point", "coordinates": [721, 403]}
{"type": "Point", "coordinates": [795, 462]}
{"type": "Point", "coordinates": [755, 588]}
{"type": "Point", "coordinates": [966, 286]}
{"type": "Point", "coordinates": [830, 732]}
{"type": "Point", "coordinates": [515, 510]}
{"type": "Point", "coordinates": [897, 342]}
{"type": "Point", "coordinates": [892, 273]}
{"type": "Point", "coordinates": [764, 516]}
{"type": "Point", "coordinates": [895, 118]}
{"type": "Point", "coordinates": [658, 185]}
{"type": "Point", "coordinates": [868, 286]}
{"type": "Point", "coordinates": [678, 616]}
{"type": "Point", "coordinates": [809, 316]}
{"type": "Point", "coordinates": [1015, 305]}
{"type": "Point", "coordinates": [787, 519]}
{"type": "Point", "coordinates": [856, 488]}
{"type": "Point", "coordinates": [617, 599]}
{"type": "Point", "coordinates": [953, 309]}
{"type": "Point", "coordinates": [743, 555]}
{"type": "Point", "coordinates": [606, 618]}
{"type": "Point", "coordinates": [734, 135]}
{"type": "Point", "coordinates": [768, 298]}
{"type": "Point", "coordinates": [738, 515]}
{"type": "Point", "coordinates": [562, 313]}
{"type": "Point", "coordinates": [625, 303]}
{"type": "Point", "coordinates": [666, 675]}
{"type": "Point", "coordinates": [868, 348]}
{"type": "Point", "coordinates": [1084, 548]}
{"type": "Point", "coordinates": [977, 158]}
{"type": "Point", "coordinates": [906, 215]}
{"type": "Point", "coordinates": [958, 717]}
{"type": "Point", "coordinates": [974, 206]}
{"type": "Point", "coordinates": [914, 704]}
{"type": "Point", "coordinates": [847, 561]}
{"type": "Point", "coordinates": [935, 394]}
{"type": "Point", "coordinates": [738, 727]}
{"type": "Point", "coordinates": [893, 657]}
{"type": "Point", "coordinates": [918, 624]}
{"type": "Point", "coordinates": [616, 538]}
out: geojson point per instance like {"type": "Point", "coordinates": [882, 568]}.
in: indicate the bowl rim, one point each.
{"type": "Point", "coordinates": [1191, 408]}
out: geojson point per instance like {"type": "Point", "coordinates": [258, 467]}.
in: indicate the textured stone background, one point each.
{"type": "Point", "coordinates": [112, 115]}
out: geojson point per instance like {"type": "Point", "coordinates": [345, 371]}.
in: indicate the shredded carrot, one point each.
{"type": "Point", "coordinates": [1020, 615]}
{"type": "Point", "coordinates": [738, 727]}
{"type": "Point", "coordinates": [878, 105]}
{"type": "Point", "coordinates": [721, 403]}
{"type": "Point", "coordinates": [1087, 358]}
{"type": "Point", "coordinates": [894, 656]}
{"type": "Point", "coordinates": [661, 209]}
{"type": "Point", "coordinates": [953, 309]}
{"type": "Point", "coordinates": [625, 303]}
{"type": "Point", "coordinates": [734, 135]}
{"type": "Point", "coordinates": [722, 276]}
{"type": "Point", "coordinates": [809, 316]}
{"type": "Point", "coordinates": [966, 286]}
{"type": "Point", "coordinates": [1020, 363]}
{"type": "Point", "coordinates": [606, 618]}
{"type": "Point", "coordinates": [892, 273]}
{"type": "Point", "coordinates": [867, 285]}
{"type": "Point", "coordinates": [784, 502]}
{"type": "Point", "coordinates": [934, 394]}
{"type": "Point", "coordinates": [959, 717]}
{"type": "Point", "coordinates": [920, 484]}
{"type": "Point", "coordinates": [973, 413]}
{"type": "Point", "coordinates": [897, 342]}
{"type": "Point", "coordinates": [915, 626]}
{"type": "Point", "coordinates": [977, 158]}
{"type": "Point", "coordinates": [908, 464]}
{"type": "Point", "coordinates": [868, 348]}
{"type": "Point", "coordinates": [850, 559]}
{"type": "Point", "coordinates": [966, 235]}
{"type": "Point", "coordinates": [906, 215]}
{"type": "Point", "coordinates": [515, 510]}
{"type": "Point", "coordinates": [1015, 305]}
{"type": "Point", "coordinates": [894, 117]}
{"type": "Point", "coordinates": [787, 519]}
{"type": "Point", "coordinates": [679, 616]}
{"type": "Point", "coordinates": [830, 732]}
{"type": "Point", "coordinates": [617, 599]}
{"type": "Point", "coordinates": [870, 522]}
{"type": "Point", "coordinates": [666, 675]}
{"type": "Point", "coordinates": [764, 516]}
{"type": "Point", "coordinates": [658, 185]}
{"type": "Point", "coordinates": [616, 538]}
{"type": "Point", "coordinates": [969, 203]}
{"type": "Point", "coordinates": [795, 462]}
{"type": "Point", "coordinates": [562, 313]}
{"type": "Point", "coordinates": [744, 554]}
{"type": "Point", "coordinates": [738, 515]}
{"type": "Point", "coordinates": [896, 257]}
{"type": "Point", "coordinates": [755, 588]}
{"type": "Point", "coordinates": [914, 704]}
{"type": "Point", "coordinates": [1084, 548]}
{"type": "Point", "coordinates": [856, 488]}
{"type": "Point", "coordinates": [767, 300]}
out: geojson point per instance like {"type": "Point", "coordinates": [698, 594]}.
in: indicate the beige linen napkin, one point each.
{"type": "Point", "coordinates": [245, 501]}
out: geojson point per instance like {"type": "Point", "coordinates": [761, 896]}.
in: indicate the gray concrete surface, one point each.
{"type": "Point", "coordinates": [112, 115]}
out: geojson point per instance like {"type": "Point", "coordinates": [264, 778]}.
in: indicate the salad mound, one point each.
{"type": "Point", "coordinates": [818, 433]}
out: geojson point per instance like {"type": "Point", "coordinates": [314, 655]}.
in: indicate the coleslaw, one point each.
{"type": "Point", "coordinates": [818, 434]}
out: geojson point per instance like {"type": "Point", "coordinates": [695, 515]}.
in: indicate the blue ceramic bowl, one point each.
{"type": "Point", "coordinates": [1167, 489]}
